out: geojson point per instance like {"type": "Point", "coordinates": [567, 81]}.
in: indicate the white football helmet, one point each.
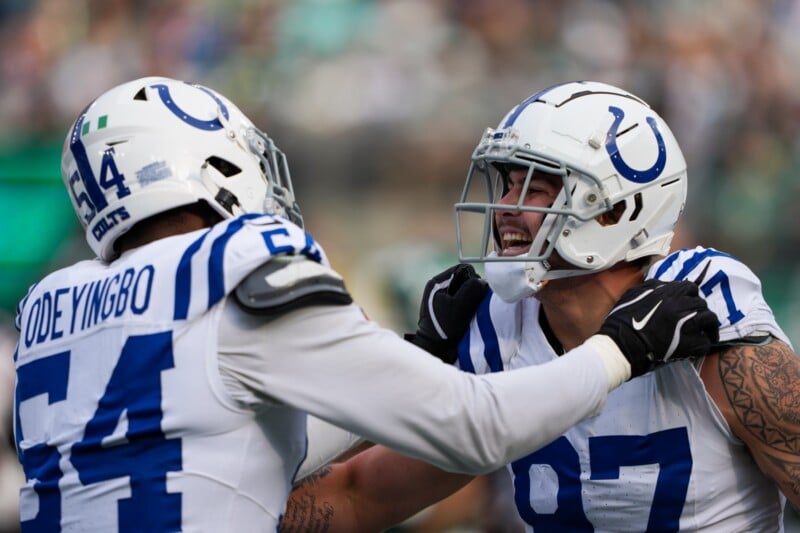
{"type": "Point", "coordinates": [153, 144]}
{"type": "Point", "coordinates": [609, 147]}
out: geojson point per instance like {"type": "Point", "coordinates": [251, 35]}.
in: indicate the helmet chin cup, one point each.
{"type": "Point", "coordinates": [514, 280]}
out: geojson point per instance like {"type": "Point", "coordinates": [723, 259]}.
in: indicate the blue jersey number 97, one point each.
{"type": "Point", "coordinates": [669, 449]}
{"type": "Point", "coordinates": [143, 454]}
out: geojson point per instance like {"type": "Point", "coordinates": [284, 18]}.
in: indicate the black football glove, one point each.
{"type": "Point", "coordinates": [657, 322]}
{"type": "Point", "coordinates": [449, 302]}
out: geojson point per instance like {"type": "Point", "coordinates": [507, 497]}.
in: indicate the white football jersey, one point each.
{"type": "Point", "coordinates": [660, 457]}
{"type": "Point", "coordinates": [146, 400]}
{"type": "Point", "coordinates": [132, 429]}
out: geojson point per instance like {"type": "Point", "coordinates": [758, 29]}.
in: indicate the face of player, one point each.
{"type": "Point", "coordinates": [517, 229]}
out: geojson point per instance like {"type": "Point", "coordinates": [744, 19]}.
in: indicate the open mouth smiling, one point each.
{"type": "Point", "coordinates": [515, 243]}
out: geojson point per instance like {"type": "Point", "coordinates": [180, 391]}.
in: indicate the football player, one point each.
{"type": "Point", "coordinates": [164, 385]}
{"type": "Point", "coordinates": [585, 185]}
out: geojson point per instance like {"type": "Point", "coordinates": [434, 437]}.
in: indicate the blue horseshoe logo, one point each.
{"type": "Point", "coordinates": [636, 176]}
{"type": "Point", "coordinates": [208, 125]}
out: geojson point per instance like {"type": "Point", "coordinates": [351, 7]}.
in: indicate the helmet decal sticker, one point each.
{"type": "Point", "coordinates": [117, 179]}
{"type": "Point", "coordinates": [153, 172]}
{"type": "Point", "coordinates": [210, 125]}
{"type": "Point", "coordinates": [78, 150]}
{"type": "Point", "coordinates": [102, 122]}
{"type": "Point", "coordinates": [631, 174]}
{"type": "Point", "coordinates": [82, 201]}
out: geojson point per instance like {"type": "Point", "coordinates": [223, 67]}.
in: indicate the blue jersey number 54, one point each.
{"type": "Point", "coordinates": [145, 455]}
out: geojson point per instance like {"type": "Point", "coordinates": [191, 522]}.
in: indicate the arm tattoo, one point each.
{"type": "Point", "coordinates": [764, 391]}
{"type": "Point", "coordinates": [314, 478]}
{"type": "Point", "coordinates": [303, 511]}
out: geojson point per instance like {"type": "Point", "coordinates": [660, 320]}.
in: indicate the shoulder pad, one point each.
{"type": "Point", "coordinates": [289, 282]}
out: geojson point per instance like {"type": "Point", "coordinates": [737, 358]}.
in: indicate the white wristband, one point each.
{"type": "Point", "coordinates": [616, 364]}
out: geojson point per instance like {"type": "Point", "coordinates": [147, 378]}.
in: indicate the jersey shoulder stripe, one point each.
{"type": "Point", "coordinates": [731, 290]}
{"type": "Point", "coordinates": [214, 263]}
{"type": "Point", "coordinates": [183, 279]}
{"type": "Point", "coordinates": [464, 360]}
{"type": "Point", "coordinates": [689, 260]}
{"type": "Point", "coordinates": [486, 343]}
{"type": "Point", "coordinates": [491, 349]}
{"type": "Point", "coordinates": [487, 346]}
{"type": "Point", "coordinates": [216, 287]}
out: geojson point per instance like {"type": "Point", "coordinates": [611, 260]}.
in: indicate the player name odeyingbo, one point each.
{"type": "Point", "coordinates": [58, 309]}
{"type": "Point", "coordinates": [76, 308]}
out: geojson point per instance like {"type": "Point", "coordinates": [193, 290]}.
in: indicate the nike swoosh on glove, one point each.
{"type": "Point", "coordinates": [449, 302]}
{"type": "Point", "coordinates": [661, 321]}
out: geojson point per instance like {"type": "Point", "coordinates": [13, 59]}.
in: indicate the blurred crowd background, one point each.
{"type": "Point", "coordinates": [378, 104]}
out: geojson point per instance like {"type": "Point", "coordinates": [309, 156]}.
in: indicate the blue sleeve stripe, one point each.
{"type": "Point", "coordinates": [690, 264]}
{"type": "Point", "coordinates": [216, 263]}
{"type": "Point", "coordinates": [183, 280]}
{"type": "Point", "coordinates": [491, 347]}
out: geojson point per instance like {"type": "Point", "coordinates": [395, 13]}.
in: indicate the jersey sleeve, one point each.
{"type": "Point", "coordinates": [326, 442]}
{"type": "Point", "coordinates": [731, 289]}
{"type": "Point", "coordinates": [333, 363]}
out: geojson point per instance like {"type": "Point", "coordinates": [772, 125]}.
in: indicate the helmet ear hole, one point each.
{"type": "Point", "coordinates": [615, 215]}
{"type": "Point", "coordinates": [223, 166]}
{"type": "Point", "coordinates": [609, 218]}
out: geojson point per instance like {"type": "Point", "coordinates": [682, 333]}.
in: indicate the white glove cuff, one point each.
{"type": "Point", "coordinates": [616, 364]}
